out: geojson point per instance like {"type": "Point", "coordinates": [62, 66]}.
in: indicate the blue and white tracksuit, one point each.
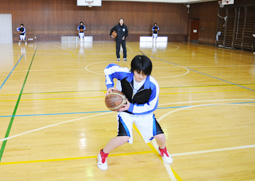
{"type": "Point", "coordinates": [142, 103]}
{"type": "Point", "coordinates": [81, 29]}
{"type": "Point", "coordinates": [154, 32]}
{"type": "Point", "coordinates": [22, 35]}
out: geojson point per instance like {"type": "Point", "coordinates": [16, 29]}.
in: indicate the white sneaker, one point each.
{"type": "Point", "coordinates": [125, 59]}
{"type": "Point", "coordinates": [102, 160]}
{"type": "Point", "coordinates": [167, 158]}
{"type": "Point", "coordinates": [118, 59]}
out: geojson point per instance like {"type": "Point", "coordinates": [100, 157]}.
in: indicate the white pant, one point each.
{"type": "Point", "coordinates": [81, 35]}
{"type": "Point", "coordinates": [22, 37]}
{"type": "Point", "coordinates": [154, 35]}
{"type": "Point", "coordinates": [146, 125]}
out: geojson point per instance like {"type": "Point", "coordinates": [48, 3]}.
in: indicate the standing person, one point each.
{"type": "Point", "coordinates": [141, 91]}
{"type": "Point", "coordinates": [122, 33]}
{"type": "Point", "coordinates": [155, 30]}
{"type": "Point", "coordinates": [22, 33]}
{"type": "Point", "coordinates": [81, 28]}
{"type": "Point", "coordinates": [253, 37]}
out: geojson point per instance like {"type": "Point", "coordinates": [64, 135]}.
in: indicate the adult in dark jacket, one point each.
{"type": "Point", "coordinates": [122, 33]}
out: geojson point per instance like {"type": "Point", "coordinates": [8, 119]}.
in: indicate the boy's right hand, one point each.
{"type": "Point", "coordinates": [109, 91]}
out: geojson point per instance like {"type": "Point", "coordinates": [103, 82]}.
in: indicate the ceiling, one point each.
{"type": "Point", "coordinates": [168, 1]}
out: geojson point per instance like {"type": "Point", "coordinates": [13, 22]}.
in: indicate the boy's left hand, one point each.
{"type": "Point", "coordinates": [125, 107]}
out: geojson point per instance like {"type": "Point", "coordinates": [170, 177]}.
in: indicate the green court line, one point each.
{"type": "Point", "coordinates": [15, 110]}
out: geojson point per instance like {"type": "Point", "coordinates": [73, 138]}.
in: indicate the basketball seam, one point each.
{"type": "Point", "coordinates": [123, 100]}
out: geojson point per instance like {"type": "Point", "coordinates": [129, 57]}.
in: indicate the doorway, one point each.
{"type": "Point", "coordinates": [194, 30]}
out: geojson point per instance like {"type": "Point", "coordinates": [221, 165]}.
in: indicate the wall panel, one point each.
{"type": "Point", "coordinates": [48, 20]}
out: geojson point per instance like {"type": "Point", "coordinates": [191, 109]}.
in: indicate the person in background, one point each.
{"type": "Point", "coordinates": [122, 33]}
{"type": "Point", "coordinates": [155, 30]}
{"type": "Point", "coordinates": [81, 28]}
{"type": "Point", "coordinates": [22, 34]}
{"type": "Point", "coordinates": [253, 37]}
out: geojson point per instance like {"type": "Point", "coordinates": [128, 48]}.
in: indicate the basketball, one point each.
{"type": "Point", "coordinates": [156, 29]}
{"type": "Point", "coordinates": [114, 34]}
{"type": "Point", "coordinates": [81, 30]}
{"type": "Point", "coordinates": [115, 100]}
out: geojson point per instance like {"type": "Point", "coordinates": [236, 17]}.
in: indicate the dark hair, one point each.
{"type": "Point", "coordinates": [21, 25]}
{"type": "Point", "coordinates": [141, 63]}
{"type": "Point", "coordinates": [81, 22]}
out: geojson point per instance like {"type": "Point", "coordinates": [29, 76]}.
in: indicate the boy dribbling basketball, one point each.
{"type": "Point", "coordinates": [142, 93]}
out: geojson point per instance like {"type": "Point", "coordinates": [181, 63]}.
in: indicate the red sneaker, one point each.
{"type": "Point", "coordinates": [167, 158]}
{"type": "Point", "coordinates": [102, 160]}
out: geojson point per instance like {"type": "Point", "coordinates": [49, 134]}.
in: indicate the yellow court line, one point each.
{"type": "Point", "coordinates": [203, 91]}
{"type": "Point", "coordinates": [65, 98]}
{"type": "Point", "coordinates": [205, 86]}
{"type": "Point", "coordinates": [71, 53]}
{"type": "Point", "coordinates": [74, 158]}
{"type": "Point", "coordinates": [156, 152]}
{"type": "Point", "coordinates": [54, 98]}
{"type": "Point", "coordinates": [105, 90]}
{"type": "Point", "coordinates": [71, 92]}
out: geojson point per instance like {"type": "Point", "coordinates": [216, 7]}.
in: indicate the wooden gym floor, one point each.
{"type": "Point", "coordinates": [53, 120]}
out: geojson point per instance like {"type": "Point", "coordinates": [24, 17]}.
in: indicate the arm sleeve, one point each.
{"type": "Point", "coordinates": [126, 34]}
{"type": "Point", "coordinates": [24, 31]}
{"type": "Point", "coordinates": [18, 29]}
{"type": "Point", "coordinates": [84, 27]}
{"type": "Point", "coordinates": [78, 28]}
{"type": "Point", "coordinates": [151, 105]}
{"type": "Point", "coordinates": [152, 28]}
{"type": "Point", "coordinates": [113, 28]}
{"type": "Point", "coordinates": [114, 71]}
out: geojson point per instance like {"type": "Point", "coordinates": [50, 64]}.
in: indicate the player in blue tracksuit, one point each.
{"type": "Point", "coordinates": [142, 92]}
{"type": "Point", "coordinates": [22, 33]}
{"type": "Point", "coordinates": [155, 30]}
{"type": "Point", "coordinates": [81, 28]}
{"type": "Point", "coordinates": [122, 33]}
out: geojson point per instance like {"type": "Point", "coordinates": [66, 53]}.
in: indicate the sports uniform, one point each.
{"type": "Point", "coordinates": [142, 92]}
{"type": "Point", "coordinates": [81, 29]}
{"type": "Point", "coordinates": [143, 100]}
{"type": "Point", "coordinates": [155, 30]}
{"type": "Point", "coordinates": [22, 35]}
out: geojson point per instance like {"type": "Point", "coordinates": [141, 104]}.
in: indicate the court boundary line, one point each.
{"type": "Point", "coordinates": [206, 74]}
{"type": "Point", "coordinates": [11, 72]}
{"type": "Point", "coordinates": [63, 92]}
{"type": "Point", "coordinates": [15, 110]}
{"type": "Point", "coordinates": [173, 175]}
{"type": "Point", "coordinates": [102, 96]}
{"type": "Point", "coordinates": [90, 112]}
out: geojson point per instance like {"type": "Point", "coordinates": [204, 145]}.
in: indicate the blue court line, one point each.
{"type": "Point", "coordinates": [89, 112]}
{"type": "Point", "coordinates": [205, 74]}
{"type": "Point", "coordinates": [222, 80]}
{"type": "Point", "coordinates": [10, 73]}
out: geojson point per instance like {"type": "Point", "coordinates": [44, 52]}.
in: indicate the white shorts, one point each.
{"type": "Point", "coordinates": [154, 35]}
{"type": "Point", "coordinates": [146, 124]}
{"type": "Point", "coordinates": [81, 35]}
{"type": "Point", "coordinates": [22, 37]}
